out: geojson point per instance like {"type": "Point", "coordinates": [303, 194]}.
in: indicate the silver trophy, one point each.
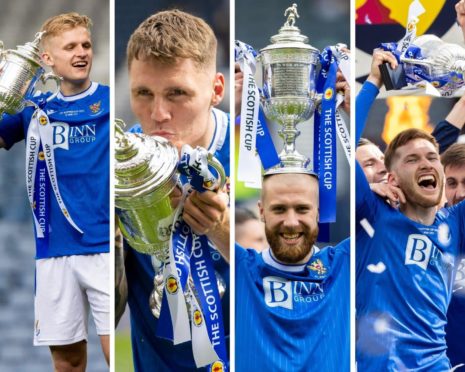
{"type": "Point", "coordinates": [443, 63]}
{"type": "Point", "coordinates": [20, 69]}
{"type": "Point", "coordinates": [289, 96]}
{"type": "Point", "coordinates": [145, 177]}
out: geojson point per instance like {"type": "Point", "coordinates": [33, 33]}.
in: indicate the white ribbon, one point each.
{"type": "Point", "coordinates": [414, 11]}
{"type": "Point", "coordinates": [40, 131]}
{"type": "Point", "coordinates": [176, 300]}
{"type": "Point", "coordinates": [32, 154]}
{"type": "Point", "coordinates": [249, 166]}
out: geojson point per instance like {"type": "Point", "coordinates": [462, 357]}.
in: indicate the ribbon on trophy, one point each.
{"type": "Point", "coordinates": [190, 255]}
{"type": "Point", "coordinates": [325, 164]}
{"type": "Point", "coordinates": [419, 69]}
{"type": "Point", "coordinates": [254, 137]}
{"type": "Point", "coordinates": [41, 173]}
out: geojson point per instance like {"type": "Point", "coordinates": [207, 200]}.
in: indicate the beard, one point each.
{"type": "Point", "coordinates": [414, 196]}
{"type": "Point", "coordinates": [291, 253]}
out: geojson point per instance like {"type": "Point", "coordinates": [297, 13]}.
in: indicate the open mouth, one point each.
{"type": "Point", "coordinates": [80, 64]}
{"type": "Point", "coordinates": [291, 238]}
{"type": "Point", "coordinates": [427, 182]}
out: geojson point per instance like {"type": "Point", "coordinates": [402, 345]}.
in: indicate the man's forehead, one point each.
{"type": "Point", "coordinates": [456, 170]}
{"type": "Point", "coordinates": [416, 146]}
{"type": "Point", "coordinates": [369, 151]}
{"type": "Point", "coordinates": [68, 35]}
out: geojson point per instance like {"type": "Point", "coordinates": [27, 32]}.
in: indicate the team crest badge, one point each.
{"type": "Point", "coordinates": [329, 93]}
{"type": "Point", "coordinates": [198, 318]}
{"type": "Point", "coordinates": [96, 107]}
{"type": "Point", "coordinates": [318, 266]}
{"type": "Point", "coordinates": [41, 156]}
{"type": "Point", "coordinates": [171, 284]}
{"type": "Point", "coordinates": [217, 366]}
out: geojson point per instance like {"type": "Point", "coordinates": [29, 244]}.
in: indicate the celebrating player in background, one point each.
{"type": "Point", "coordinates": [174, 87]}
{"type": "Point", "coordinates": [292, 303]}
{"type": "Point", "coordinates": [72, 258]}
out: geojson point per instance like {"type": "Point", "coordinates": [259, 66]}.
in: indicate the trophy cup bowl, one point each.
{"type": "Point", "coordinates": [289, 90]}
{"type": "Point", "coordinates": [145, 176]}
{"type": "Point", "coordinates": [20, 69]}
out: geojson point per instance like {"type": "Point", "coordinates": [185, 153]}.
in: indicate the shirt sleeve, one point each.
{"type": "Point", "coordinates": [445, 134]}
{"type": "Point", "coordinates": [11, 129]}
{"type": "Point", "coordinates": [363, 103]}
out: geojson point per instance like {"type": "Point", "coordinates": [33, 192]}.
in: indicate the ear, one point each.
{"type": "Point", "coordinates": [218, 89]}
{"type": "Point", "coordinates": [47, 58]}
{"type": "Point", "coordinates": [392, 179]}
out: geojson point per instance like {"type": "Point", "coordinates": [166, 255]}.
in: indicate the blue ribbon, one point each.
{"type": "Point", "coordinates": [325, 137]}
{"type": "Point", "coordinates": [42, 203]}
{"type": "Point", "coordinates": [265, 146]}
{"type": "Point", "coordinates": [192, 255]}
{"type": "Point", "coordinates": [203, 274]}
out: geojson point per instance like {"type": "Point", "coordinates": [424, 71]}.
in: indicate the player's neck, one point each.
{"type": "Point", "coordinates": [68, 88]}
{"type": "Point", "coordinates": [207, 138]}
{"type": "Point", "coordinates": [423, 215]}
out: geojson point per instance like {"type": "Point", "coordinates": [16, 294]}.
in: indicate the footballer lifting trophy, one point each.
{"type": "Point", "coordinates": [20, 69]}
{"type": "Point", "coordinates": [145, 176]}
{"type": "Point", "coordinates": [289, 93]}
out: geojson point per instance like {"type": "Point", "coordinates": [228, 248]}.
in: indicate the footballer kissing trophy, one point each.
{"type": "Point", "coordinates": [145, 176]}
{"type": "Point", "coordinates": [289, 93]}
{"type": "Point", "coordinates": [20, 69]}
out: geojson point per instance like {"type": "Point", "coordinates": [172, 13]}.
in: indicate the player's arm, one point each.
{"type": "Point", "coordinates": [370, 89]}
{"type": "Point", "coordinates": [121, 285]}
{"type": "Point", "coordinates": [2, 143]}
{"type": "Point", "coordinates": [207, 214]}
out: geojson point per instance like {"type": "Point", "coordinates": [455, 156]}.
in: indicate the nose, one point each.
{"type": "Point", "coordinates": [160, 110]}
{"type": "Point", "coordinates": [291, 219]}
{"type": "Point", "coordinates": [80, 50]}
{"type": "Point", "coordinates": [460, 194]}
{"type": "Point", "coordinates": [381, 168]}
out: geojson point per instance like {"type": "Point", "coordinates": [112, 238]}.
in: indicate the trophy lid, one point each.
{"type": "Point", "coordinates": [30, 50]}
{"type": "Point", "coordinates": [289, 35]}
{"type": "Point", "coordinates": [143, 163]}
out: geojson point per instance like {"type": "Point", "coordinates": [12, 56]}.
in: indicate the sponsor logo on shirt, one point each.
{"type": "Point", "coordinates": [64, 134]}
{"type": "Point", "coordinates": [421, 251]}
{"type": "Point", "coordinates": [280, 292]}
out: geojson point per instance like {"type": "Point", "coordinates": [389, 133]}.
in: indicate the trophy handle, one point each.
{"type": "Point", "coordinates": [51, 76]}
{"type": "Point", "coordinates": [221, 179]}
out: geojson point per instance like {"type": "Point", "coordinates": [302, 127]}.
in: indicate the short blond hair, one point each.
{"type": "Point", "coordinates": [168, 35]}
{"type": "Point", "coordinates": [64, 22]}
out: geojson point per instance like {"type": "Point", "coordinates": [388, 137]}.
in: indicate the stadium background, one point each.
{"type": "Point", "coordinates": [19, 21]}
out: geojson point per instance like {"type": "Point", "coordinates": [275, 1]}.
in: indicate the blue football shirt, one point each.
{"type": "Point", "coordinates": [151, 353]}
{"type": "Point", "coordinates": [293, 317]}
{"type": "Point", "coordinates": [404, 272]}
{"type": "Point", "coordinates": [81, 148]}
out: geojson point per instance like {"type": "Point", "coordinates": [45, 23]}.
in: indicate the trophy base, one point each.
{"type": "Point", "coordinates": [292, 163]}
{"type": "Point", "coordinates": [392, 79]}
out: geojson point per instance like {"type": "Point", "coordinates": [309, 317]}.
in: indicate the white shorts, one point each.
{"type": "Point", "coordinates": [66, 287]}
